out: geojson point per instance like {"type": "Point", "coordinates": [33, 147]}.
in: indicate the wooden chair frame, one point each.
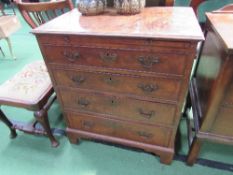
{"type": "Point", "coordinates": [32, 12]}
{"type": "Point", "coordinates": [40, 113]}
{"type": "Point", "coordinates": [39, 106]}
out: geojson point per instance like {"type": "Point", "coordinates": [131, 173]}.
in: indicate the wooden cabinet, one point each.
{"type": "Point", "coordinates": [122, 79]}
{"type": "Point", "coordinates": [211, 89]}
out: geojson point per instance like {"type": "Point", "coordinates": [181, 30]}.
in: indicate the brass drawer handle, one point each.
{"type": "Point", "coordinates": [149, 61]}
{"type": "Point", "coordinates": [147, 115]}
{"type": "Point", "coordinates": [145, 134]}
{"type": "Point", "coordinates": [108, 57]}
{"type": "Point", "coordinates": [78, 79]}
{"type": "Point", "coordinates": [147, 87]}
{"type": "Point", "coordinates": [83, 102]}
{"type": "Point", "coordinates": [71, 56]}
{"type": "Point", "coordinates": [88, 124]}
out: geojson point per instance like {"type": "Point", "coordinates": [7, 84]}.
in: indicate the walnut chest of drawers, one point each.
{"type": "Point", "coordinates": [122, 79]}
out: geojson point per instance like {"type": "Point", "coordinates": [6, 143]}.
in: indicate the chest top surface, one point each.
{"type": "Point", "coordinates": [156, 22]}
{"type": "Point", "coordinates": [222, 24]}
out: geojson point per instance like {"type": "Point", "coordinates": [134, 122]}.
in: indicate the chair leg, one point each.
{"type": "Point", "coordinates": [10, 47]}
{"type": "Point", "coordinates": [2, 51]}
{"type": "Point", "coordinates": [42, 117]}
{"type": "Point", "coordinates": [194, 151]}
{"type": "Point", "coordinates": [8, 124]}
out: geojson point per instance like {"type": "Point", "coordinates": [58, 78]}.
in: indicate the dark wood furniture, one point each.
{"type": "Point", "coordinates": [195, 3]}
{"type": "Point", "coordinates": [149, 3]}
{"type": "Point", "coordinates": [36, 13]}
{"type": "Point", "coordinates": [122, 79]}
{"type": "Point", "coordinates": [23, 91]}
{"type": "Point", "coordinates": [211, 89]}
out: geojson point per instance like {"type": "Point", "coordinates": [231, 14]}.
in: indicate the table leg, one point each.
{"type": "Point", "coordinates": [194, 151]}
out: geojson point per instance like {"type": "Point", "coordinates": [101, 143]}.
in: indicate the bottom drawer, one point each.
{"type": "Point", "coordinates": [223, 123]}
{"type": "Point", "coordinates": [116, 128]}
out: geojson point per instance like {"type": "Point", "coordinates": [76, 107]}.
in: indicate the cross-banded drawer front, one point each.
{"type": "Point", "coordinates": [115, 128]}
{"type": "Point", "coordinates": [163, 63]}
{"type": "Point", "coordinates": [151, 87]}
{"type": "Point", "coordinates": [118, 107]}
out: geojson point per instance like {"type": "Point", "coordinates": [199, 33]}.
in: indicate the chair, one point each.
{"type": "Point", "coordinates": [31, 88]}
{"type": "Point", "coordinates": [36, 14]}
{"type": "Point", "coordinates": [9, 24]}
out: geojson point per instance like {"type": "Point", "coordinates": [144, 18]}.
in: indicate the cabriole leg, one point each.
{"type": "Point", "coordinates": [8, 124]}
{"type": "Point", "coordinates": [42, 117]}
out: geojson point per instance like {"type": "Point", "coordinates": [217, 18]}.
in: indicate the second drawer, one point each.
{"type": "Point", "coordinates": [152, 87]}
{"type": "Point", "coordinates": [118, 106]}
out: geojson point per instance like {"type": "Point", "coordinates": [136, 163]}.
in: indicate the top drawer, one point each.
{"type": "Point", "coordinates": [106, 42]}
{"type": "Point", "coordinates": [163, 63]}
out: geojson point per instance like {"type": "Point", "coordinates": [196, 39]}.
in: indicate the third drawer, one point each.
{"type": "Point", "coordinates": [120, 107]}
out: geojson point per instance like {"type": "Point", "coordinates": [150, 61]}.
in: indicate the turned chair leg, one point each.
{"type": "Point", "coordinates": [8, 124]}
{"type": "Point", "coordinates": [194, 151]}
{"type": "Point", "coordinates": [42, 117]}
